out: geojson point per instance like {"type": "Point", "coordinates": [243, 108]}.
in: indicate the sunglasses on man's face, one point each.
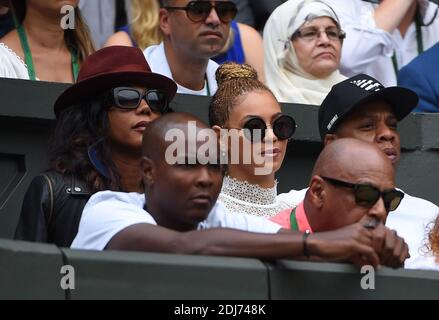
{"type": "Point", "coordinates": [130, 98]}
{"type": "Point", "coordinates": [367, 195]}
{"type": "Point", "coordinates": [198, 11]}
{"type": "Point", "coordinates": [283, 128]}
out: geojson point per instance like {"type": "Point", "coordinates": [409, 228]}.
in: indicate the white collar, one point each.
{"type": "Point", "coordinates": [156, 57]}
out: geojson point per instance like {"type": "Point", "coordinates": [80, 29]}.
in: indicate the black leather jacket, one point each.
{"type": "Point", "coordinates": [56, 220]}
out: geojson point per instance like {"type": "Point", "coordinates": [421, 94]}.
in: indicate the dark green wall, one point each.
{"type": "Point", "coordinates": [26, 122]}
{"type": "Point", "coordinates": [33, 271]}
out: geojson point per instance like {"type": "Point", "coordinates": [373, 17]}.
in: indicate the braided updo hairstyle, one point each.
{"type": "Point", "coordinates": [234, 81]}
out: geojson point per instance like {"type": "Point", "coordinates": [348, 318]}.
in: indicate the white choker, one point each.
{"type": "Point", "coordinates": [241, 197]}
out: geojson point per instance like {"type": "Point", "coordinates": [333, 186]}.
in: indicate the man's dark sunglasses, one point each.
{"type": "Point", "coordinates": [283, 127]}
{"type": "Point", "coordinates": [367, 195]}
{"type": "Point", "coordinates": [198, 11]}
{"type": "Point", "coordinates": [130, 98]}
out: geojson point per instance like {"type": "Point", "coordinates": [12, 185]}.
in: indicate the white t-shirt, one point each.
{"type": "Point", "coordinates": [156, 57]}
{"type": "Point", "coordinates": [11, 65]}
{"type": "Point", "coordinates": [368, 49]}
{"type": "Point", "coordinates": [425, 263]}
{"type": "Point", "coordinates": [295, 196]}
{"type": "Point", "coordinates": [108, 213]}
{"type": "Point", "coordinates": [409, 220]}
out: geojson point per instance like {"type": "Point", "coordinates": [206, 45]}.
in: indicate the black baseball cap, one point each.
{"type": "Point", "coordinates": [351, 93]}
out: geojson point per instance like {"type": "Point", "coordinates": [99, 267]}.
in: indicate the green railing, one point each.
{"type": "Point", "coordinates": [34, 271]}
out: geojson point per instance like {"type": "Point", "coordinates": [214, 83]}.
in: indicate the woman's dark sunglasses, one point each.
{"type": "Point", "coordinates": [198, 11]}
{"type": "Point", "coordinates": [367, 195]}
{"type": "Point", "coordinates": [283, 128]}
{"type": "Point", "coordinates": [130, 98]}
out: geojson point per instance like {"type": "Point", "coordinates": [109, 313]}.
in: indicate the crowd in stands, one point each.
{"type": "Point", "coordinates": [362, 63]}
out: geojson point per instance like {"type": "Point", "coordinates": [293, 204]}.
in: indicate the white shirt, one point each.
{"type": "Point", "coordinates": [108, 213]}
{"type": "Point", "coordinates": [409, 220]}
{"type": "Point", "coordinates": [242, 197]}
{"type": "Point", "coordinates": [100, 16]}
{"type": "Point", "coordinates": [368, 49]}
{"type": "Point", "coordinates": [295, 196]}
{"type": "Point", "coordinates": [11, 65]}
{"type": "Point", "coordinates": [425, 263]}
{"type": "Point", "coordinates": [156, 57]}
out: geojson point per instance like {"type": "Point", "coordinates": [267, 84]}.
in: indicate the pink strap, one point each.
{"type": "Point", "coordinates": [283, 218]}
{"type": "Point", "coordinates": [302, 220]}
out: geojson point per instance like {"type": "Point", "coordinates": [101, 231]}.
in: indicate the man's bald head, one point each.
{"type": "Point", "coordinates": [154, 138]}
{"type": "Point", "coordinates": [342, 166]}
{"type": "Point", "coordinates": [349, 155]}
{"type": "Point", "coordinates": [176, 147]}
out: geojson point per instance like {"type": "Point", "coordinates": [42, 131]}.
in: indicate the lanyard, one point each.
{"type": "Point", "coordinates": [293, 220]}
{"type": "Point", "coordinates": [419, 40]}
{"type": "Point", "coordinates": [28, 56]}
{"type": "Point", "coordinates": [207, 87]}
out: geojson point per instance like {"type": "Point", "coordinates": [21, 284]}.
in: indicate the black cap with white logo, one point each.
{"type": "Point", "coordinates": [349, 94]}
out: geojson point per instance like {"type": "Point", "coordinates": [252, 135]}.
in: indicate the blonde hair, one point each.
{"type": "Point", "coordinates": [234, 80]}
{"type": "Point", "coordinates": [230, 41]}
{"type": "Point", "coordinates": [144, 24]}
{"type": "Point", "coordinates": [79, 39]}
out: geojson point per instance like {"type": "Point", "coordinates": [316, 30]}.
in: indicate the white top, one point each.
{"type": "Point", "coordinates": [368, 49]}
{"type": "Point", "coordinates": [243, 198]}
{"type": "Point", "coordinates": [410, 220]}
{"type": "Point", "coordinates": [156, 57]}
{"type": "Point", "coordinates": [296, 196]}
{"type": "Point", "coordinates": [11, 65]}
{"type": "Point", "coordinates": [425, 263]}
{"type": "Point", "coordinates": [108, 213]}
{"type": "Point", "coordinates": [100, 16]}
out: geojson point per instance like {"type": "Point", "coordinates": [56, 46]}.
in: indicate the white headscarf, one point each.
{"type": "Point", "coordinates": [285, 77]}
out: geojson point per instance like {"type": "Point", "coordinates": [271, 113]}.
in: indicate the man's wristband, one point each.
{"type": "Point", "coordinates": [306, 252]}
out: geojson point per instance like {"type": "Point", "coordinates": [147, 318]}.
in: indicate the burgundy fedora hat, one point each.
{"type": "Point", "coordinates": [111, 67]}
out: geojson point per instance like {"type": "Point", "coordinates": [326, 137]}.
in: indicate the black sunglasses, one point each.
{"type": "Point", "coordinates": [198, 11]}
{"type": "Point", "coordinates": [255, 128]}
{"type": "Point", "coordinates": [367, 195]}
{"type": "Point", "coordinates": [130, 98]}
